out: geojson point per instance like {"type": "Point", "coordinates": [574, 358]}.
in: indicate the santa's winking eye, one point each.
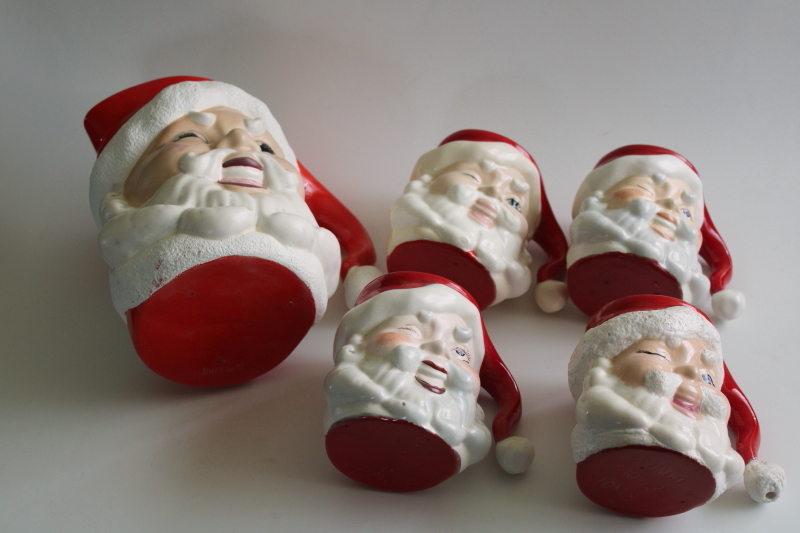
{"type": "Point", "coordinates": [265, 147]}
{"type": "Point", "coordinates": [188, 134]}
{"type": "Point", "coordinates": [653, 353]}
{"type": "Point", "coordinates": [411, 329]}
{"type": "Point", "coordinates": [513, 202]}
{"type": "Point", "coordinates": [708, 379]}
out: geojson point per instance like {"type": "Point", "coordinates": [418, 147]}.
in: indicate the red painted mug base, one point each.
{"type": "Point", "coordinates": [448, 262]}
{"type": "Point", "coordinates": [596, 280]}
{"type": "Point", "coordinates": [389, 454]}
{"type": "Point", "coordinates": [222, 322]}
{"type": "Point", "coordinates": [645, 481]}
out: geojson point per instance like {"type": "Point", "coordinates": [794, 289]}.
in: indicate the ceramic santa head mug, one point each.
{"type": "Point", "coordinates": [402, 413]}
{"type": "Point", "coordinates": [467, 215]}
{"type": "Point", "coordinates": [654, 403]}
{"type": "Point", "coordinates": [640, 222]}
{"type": "Point", "coordinates": [223, 249]}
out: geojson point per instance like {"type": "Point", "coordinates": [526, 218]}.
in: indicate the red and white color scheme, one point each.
{"type": "Point", "coordinates": [654, 404]}
{"type": "Point", "coordinates": [410, 359]}
{"type": "Point", "coordinates": [640, 225]}
{"type": "Point", "coordinates": [467, 215]}
{"type": "Point", "coordinates": [223, 249]}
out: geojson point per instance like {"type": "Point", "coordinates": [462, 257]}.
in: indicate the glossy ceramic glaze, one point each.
{"type": "Point", "coordinates": [194, 179]}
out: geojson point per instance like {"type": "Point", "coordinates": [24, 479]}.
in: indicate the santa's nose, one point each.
{"type": "Point", "coordinates": [669, 203]}
{"type": "Point", "coordinates": [239, 140]}
{"type": "Point", "coordinates": [436, 347]}
{"type": "Point", "coordinates": [688, 371]}
{"type": "Point", "coordinates": [490, 191]}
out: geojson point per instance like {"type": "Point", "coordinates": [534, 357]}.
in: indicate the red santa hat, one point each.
{"type": "Point", "coordinates": [470, 145]}
{"type": "Point", "coordinates": [663, 163]}
{"type": "Point", "coordinates": [123, 125]}
{"type": "Point", "coordinates": [420, 459]}
{"type": "Point", "coordinates": [623, 322]}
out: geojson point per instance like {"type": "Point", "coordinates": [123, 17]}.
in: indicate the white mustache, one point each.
{"type": "Point", "coordinates": [209, 165]}
{"type": "Point", "coordinates": [713, 404]}
{"type": "Point", "coordinates": [662, 383]}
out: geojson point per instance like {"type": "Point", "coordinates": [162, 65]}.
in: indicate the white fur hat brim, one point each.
{"type": "Point", "coordinates": [615, 335]}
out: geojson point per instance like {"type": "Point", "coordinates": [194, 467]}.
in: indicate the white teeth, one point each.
{"type": "Point", "coordinates": [199, 117]}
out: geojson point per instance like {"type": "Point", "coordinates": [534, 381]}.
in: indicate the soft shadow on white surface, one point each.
{"type": "Point", "coordinates": [91, 440]}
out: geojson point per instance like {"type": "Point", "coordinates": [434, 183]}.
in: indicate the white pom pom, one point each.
{"type": "Point", "coordinates": [515, 454]}
{"type": "Point", "coordinates": [728, 304]}
{"type": "Point", "coordinates": [764, 481]}
{"type": "Point", "coordinates": [356, 279]}
{"type": "Point", "coordinates": [551, 295]}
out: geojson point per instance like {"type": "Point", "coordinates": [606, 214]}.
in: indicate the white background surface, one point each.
{"type": "Point", "coordinates": [90, 440]}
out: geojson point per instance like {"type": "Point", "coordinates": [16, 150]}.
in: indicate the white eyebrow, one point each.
{"type": "Point", "coordinates": [204, 119]}
{"type": "Point", "coordinates": [520, 186]}
{"type": "Point", "coordinates": [462, 334]}
{"type": "Point", "coordinates": [255, 126]}
{"type": "Point", "coordinates": [710, 357]}
{"type": "Point", "coordinates": [659, 179]}
{"type": "Point", "coordinates": [689, 198]}
{"type": "Point", "coordinates": [425, 316]}
{"type": "Point", "coordinates": [488, 166]}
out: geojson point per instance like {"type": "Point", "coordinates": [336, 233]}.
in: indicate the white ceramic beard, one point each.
{"type": "Point", "coordinates": [191, 220]}
{"type": "Point", "coordinates": [420, 214]}
{"type": "Point", "coordinates": [364, 384]}
{"type": "Point", "coordinates": [611, 414]}
{"type": "Point", "coordinates": [598, 230]}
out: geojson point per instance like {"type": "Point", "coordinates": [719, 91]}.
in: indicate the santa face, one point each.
{"type": "Point", "coordinates": [477, 206]}
{"type": "Point", "coordinates": [420, 368]}
{"type": "Point", "coordinates": [675, 200]}
{"type": "Point", "coordinates": [199, 133]}
{"type": "Point", "coordinates": [632, 218]}
{"type": "Point", "coordinates": [689, 373]}
{"type": "Point", "coordinates": [445, 339]}
{"type": "Point", "coordinates": [639, 398]}
{"type": "Point", "coordinates": [504, 184]}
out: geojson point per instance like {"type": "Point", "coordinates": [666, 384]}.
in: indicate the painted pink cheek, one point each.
{"type": "Point", "coordinates": [624, 194]}
{"type": "Point", "coordinates": [390, 339]}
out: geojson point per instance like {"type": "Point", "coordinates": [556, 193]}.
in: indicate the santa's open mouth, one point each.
{"type": "Point", "coordinates": [243, 162]}
{"type": "Point", "coordinates": [242, 171]}
{"type": "Point", "coordinates": [432, 388]}
{"type": "Point", "coordinates": [431, 376]}
{"type": "Point", "coordinates": [686, 407]}
{"type": "Point", "coordinates": [483, 212]}
{"type": "Point", "coordinates": [434, 366]}
{"type": "Point", "coordinates": [664, 225]}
